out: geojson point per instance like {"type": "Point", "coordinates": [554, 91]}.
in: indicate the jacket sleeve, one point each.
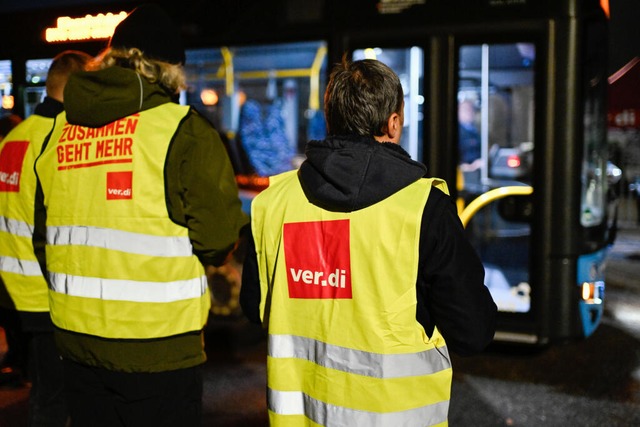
{"type": "Point", "coordinates": [201, 190]}
{"type": "Point", "coordinates": [451, 290]}
{"type": "Point", "coordinates": [250, 289]}
{"type": "Point", "coordinates": [39, 237]}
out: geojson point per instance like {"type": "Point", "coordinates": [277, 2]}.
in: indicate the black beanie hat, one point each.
{"type": "Point", "coordinates": [150, 29]}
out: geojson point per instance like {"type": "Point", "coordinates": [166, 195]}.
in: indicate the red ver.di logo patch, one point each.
{"type": "Point", "coordinates": [11, 159]}
{"type": "Point", "coordinates": [317, 258]}
{"type": "Point", "coordinates": [119, 185]}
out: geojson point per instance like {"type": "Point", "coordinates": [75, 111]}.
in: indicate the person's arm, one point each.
{"type": "Point", "coordinates": [452, 288]}
{"type": "Point", "coordinates": [250, 289]}
{"type": "Point", "coordinates": [201, 190]}
{"type": "Point", "coordinates": [39, 238]}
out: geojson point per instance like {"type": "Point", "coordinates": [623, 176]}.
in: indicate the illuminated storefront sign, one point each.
{"type": "Point", "coordinates": [396, 6]}
{"type": "Point", "coordinates": [89, 27]}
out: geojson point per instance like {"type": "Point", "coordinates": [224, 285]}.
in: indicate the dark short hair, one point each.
{"type": "Point", "coordinates": [63, 65]}
{"type": "Point", "coordinates": [360, 98]}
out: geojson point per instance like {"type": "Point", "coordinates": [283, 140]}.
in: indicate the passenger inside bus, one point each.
{"type": "Point", "coordinates": [468, 137]}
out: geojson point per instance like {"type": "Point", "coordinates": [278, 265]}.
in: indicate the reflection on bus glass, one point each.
{"type": "Point", "coordinates": [36, 78]}
{"type": "Point", "coordinates": [6, 87]}
{"type": "Point", "coordinates": [595, 155]}
{"type": "Point", "coordinates": [495, 113]}
{"type": "Point", "coordinates": [264, 100]}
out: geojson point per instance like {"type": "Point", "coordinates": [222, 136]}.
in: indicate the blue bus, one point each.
{"type": "Point", "coordinates": [504, 99]}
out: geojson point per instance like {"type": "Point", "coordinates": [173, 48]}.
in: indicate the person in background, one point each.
{"type": "Point", "coordinates": [469, 137]}
{"type": "Point", "coordinates": [136, 195]}
{"type": "Point", "coordinates": [24, 289]}
{"type": "Point", "coordinates": [13, 364]}
{"type": "Point", "coordinates": [360, 269]}
{"type": "Point", "coordinates": [7, 123]}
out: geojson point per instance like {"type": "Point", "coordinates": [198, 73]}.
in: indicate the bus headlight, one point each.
{"type": "Point", "coordinates": [592, 292]}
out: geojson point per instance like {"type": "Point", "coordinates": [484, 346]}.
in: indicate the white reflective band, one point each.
{"type": "Point", "coordinates": [359, 362]}
{"type": "Point", "coordinates": [118, 240]}
{"type": "Point", "coordinates": [16, 227]}
{"type": "Point", "coordinates": [19, 266]}
{"type": "Point", "coordinates": [298, 403]}
{"type": "Point", "coordinates": [127, 290]}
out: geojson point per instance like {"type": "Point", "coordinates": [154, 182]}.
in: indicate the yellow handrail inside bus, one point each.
{"type": "Point", "coordinates": [226, 71]}
{"type": "Point", "coordinates": [227, 57]}
{"type": "Point", "coordinates": [490, 196]}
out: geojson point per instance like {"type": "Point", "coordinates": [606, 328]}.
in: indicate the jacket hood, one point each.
{"type": "Point", "coordinates": [95, 98]}
{"type": "Point", "coordinates": [346, 174]}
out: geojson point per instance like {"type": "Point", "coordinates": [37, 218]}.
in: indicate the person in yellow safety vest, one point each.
{"type": "Point", "coordinates": [360, 269]}
{"type": "Point", "coordinates": [24, 289]}
{"type": "Point", "coordinates": [136, 195]}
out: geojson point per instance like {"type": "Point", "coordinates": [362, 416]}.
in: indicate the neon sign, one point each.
{"type": "Point", "coordinates": [89, 27]}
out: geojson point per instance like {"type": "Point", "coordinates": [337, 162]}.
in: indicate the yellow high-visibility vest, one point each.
{"type": "Point", "coordinates": [20, 272]}
{"type": "Point", "coordinates": [118, 267]}
{"type": "Point", "coordinates": [339, 298]}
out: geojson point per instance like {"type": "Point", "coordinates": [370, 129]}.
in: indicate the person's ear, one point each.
{"type": "Point", "coordinates": [394, 126]}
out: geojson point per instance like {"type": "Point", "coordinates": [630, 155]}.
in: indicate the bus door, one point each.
{"type": "Point", "coordinates": [496, 105]}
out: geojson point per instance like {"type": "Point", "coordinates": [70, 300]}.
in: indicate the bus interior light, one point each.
{"type": "Point", "coordinates": [7, 102]}
{"type": "Point", "coordinates": [209, 97]}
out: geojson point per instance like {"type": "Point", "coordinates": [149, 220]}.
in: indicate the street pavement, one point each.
{"type": "Point", "coordinates": [623, 262]}
{"type": "Point", "coordinates": [235, 374]}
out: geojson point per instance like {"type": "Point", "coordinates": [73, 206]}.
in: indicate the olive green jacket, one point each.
{"type": "Point", "coordinates": [201, 195]}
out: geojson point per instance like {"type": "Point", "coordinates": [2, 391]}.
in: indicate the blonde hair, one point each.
{"type": "Point", "coordinates": [170, 76]}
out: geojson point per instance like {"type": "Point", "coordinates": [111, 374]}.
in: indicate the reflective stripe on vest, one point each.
{"type": "Point", "coordinates": [16, 227]}
{"type": "Point", "coordinates": [294, 403]}
{"type": "Point", "coordinates": [133, 243]}
{"type": "Point", "coordinates": [127, 290]}
{"type": "Point", "coordinates": [119, 240]}
{"type": "Point", "coordinates": [26, 288]}
{"type": "Point", "coordinates": [19, 266]}
{"type": "Point", "coordinates": [344, 345]}
{"type": "Point", "coordinates": [118, 266]}
{"type": "Point", "coordinates": [356, 361]}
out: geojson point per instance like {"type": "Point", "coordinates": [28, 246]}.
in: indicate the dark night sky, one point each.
{"type": "Point", "coordinates": [624, 32]}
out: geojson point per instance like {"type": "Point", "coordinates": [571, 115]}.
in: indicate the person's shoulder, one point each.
{"type": "Point", "coordinates": [439, 206]}
{"type": "Point", "coordinates": [195, 122]}
{"type": "Point", "coordinates": [437, 196]}
{"type": "Point", "coordinates": [196, 134]}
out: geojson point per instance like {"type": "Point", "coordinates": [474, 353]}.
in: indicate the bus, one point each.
{"type": "Point", "coordinates": [504, 99]}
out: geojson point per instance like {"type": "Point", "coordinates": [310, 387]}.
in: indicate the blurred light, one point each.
{"type": "Point", "coordinates": [242, 98]}
{"type": "Point", "coordinates": [592, 292]}
{"type": "Point", "coordinates": [513, 161]}
{"type": "Point", "coordinates": [89, 27]}
{"type": "Point", "coordinates": [209, 97]}
{"type": "Point", "coordinates": [35, 79]}
{"type": "Point", "coordinates": [605, 7]}
{"type": "Point", "coordinates": [370, 53]}
{"type": "Point", "coordinates": [7, 102]}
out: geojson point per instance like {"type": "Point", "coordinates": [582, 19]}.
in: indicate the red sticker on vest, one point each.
{"type": "Point", "coordinates": [318, 260]}
{"type": "Point", "coordinates": [11, 159]}
{"type": "Point", "coordinates": [119, 185]}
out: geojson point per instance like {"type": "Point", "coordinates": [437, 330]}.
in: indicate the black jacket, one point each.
{"type": "Point", "coordinates": [346, 174]}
